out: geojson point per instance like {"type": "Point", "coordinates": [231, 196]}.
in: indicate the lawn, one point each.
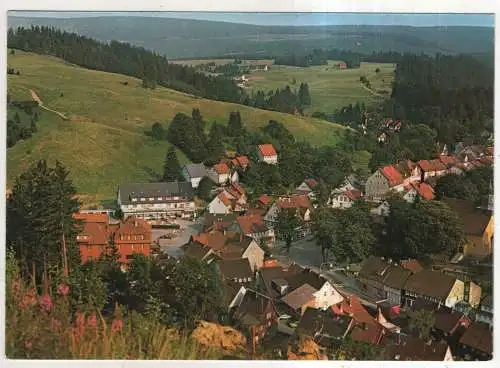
{"type": "Point", "coordinates": [103, 144]}
{"type": "Point", "coordinates": [330, 88]}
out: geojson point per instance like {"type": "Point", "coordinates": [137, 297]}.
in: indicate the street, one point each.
{"type": "Point", "coordinates": [172, 246]}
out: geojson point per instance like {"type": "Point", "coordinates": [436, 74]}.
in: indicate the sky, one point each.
{"type": "Point", "coordinates": [299, 19]}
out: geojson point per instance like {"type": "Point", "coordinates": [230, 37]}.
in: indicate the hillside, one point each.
{"type": "Point", "coordinates": [184, 38]}
{"type": "Point", "coordinates": [103, 143]}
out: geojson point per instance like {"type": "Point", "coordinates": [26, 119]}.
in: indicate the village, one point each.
{"type": "Point", "coordinates": [278, 297]}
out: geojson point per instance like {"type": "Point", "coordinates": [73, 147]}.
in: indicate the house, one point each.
{"type": "Point", "coordinates": [434, 286]}
{"type": "Point", "coordinates": [303, 207]}
{"type": "Point", "coordinates": [477, 342]}
{"type": "Point", "coordinates": [240, 163]}
{"type": "Point", "coordinates": [478, 226]}
{"type": "Point", "coordinates": [131, 236]}
{"type": "Point", "coordinates": [219, 223]}
{"type": "Point", "coordinates": [255, 314]}
{"type": "Point", "coordinates": [230, 199]}
{"type": "Point", "coordinates": [448, 322]}
{"type": "Point", "coordinates": [307, 187]}
{"type": "Point", "coordinates": [365, 327]}
{"type": "Point", "coordinates": [220, 205]}
{"type": "Point", "coordinates": [431, 168]}
{"type": "Point", "coordinates": [300, 299]}
{"type": "Point", "coordinates": [237, 271]}
{"type": "Point", "coordinates": [416, 190]}
{"type": "Point", "coordinates": [194, 173]}
{"type": "Point", "coordinates": [267, 154]}
{"type": "Point", "coordinates": [254, 227]}
{"type": "Point", "coordinates": [325, 327]}
{"type": "Point", "coordinates": [384, 279]}
{"type": "Point", "coordinates": [348, 184]}
{"type": "Point", "coordinates": [442, 149]}
{"type": "Point", "coordinates": [278, 282]}
{"type": "Point", "coordinates": [345, 199]}
{"type": "Point", "coordinates": [448, 161]}
{"type": "Point", "coordinates": [264, 201]}
{"type": "Point", "coordinates": [407, 348]}
{"type": "Point", "coordinates": [409, 170]}
{"type": "Point", "coordinates": [199, 251]}
{"type": "Point", "coordinates": [220, 174]}
{"type": "Point", "coordinates": [157, 201]}
{"type": "Point", "coordinates": [341, 65]}
{"type": "Point", "coordinates": [233, 295]}
{"type": "Point", "coordinates": [382, 181]}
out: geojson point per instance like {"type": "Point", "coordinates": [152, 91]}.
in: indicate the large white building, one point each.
{"type": "Point", "coordinates": [157, 201]}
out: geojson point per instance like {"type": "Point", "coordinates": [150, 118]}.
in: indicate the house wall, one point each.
{"type": "Point", "coordinates": [448, 357]}
{"type": "Point", "coordinates": [271, 160]}
{"type": "Point", "coordinates": [157, 211]}
{"type": "Point", "coordinates": [341, 201]}
{"type": "Point", "coordinates": [393, 295]}
{"type": "Point", "coordinates": [90, 252]}
{"type": "Point", "coordinates": [327, 296]}
{"type": "Point", "coordinates": [410, 196]}
{"type": "Point", "coordinates": [238, 298]}
{"type": "Point", "coordinates": [271, 216]}
{"type": "Point", "coordinates": [235, 177]}
{"type": "Point", "coordinates": [218, 178]}
{"type": "Point", "coordinates": [474, 294]}
{"type": "Point", "coordinates": [456, 294]}
{"type": "Point", "coordinates": [195, 182]}
{"type": "Point", "coordinates": [376, 186]}
{"type": "Point", "coordinates": [218, 207]}
{"type": "Point", "coordinates": [255, 256]}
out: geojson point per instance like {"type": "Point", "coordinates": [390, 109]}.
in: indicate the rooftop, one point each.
{"type": "Point", "coordinates": [165, 191]}
{"type": "Point", "coordinates": [267, 150]}
{"type": "Point", "coordinates": [392, 175]}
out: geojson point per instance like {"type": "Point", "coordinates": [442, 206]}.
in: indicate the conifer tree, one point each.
{"type": "Point", "coordinates": [171, 168]}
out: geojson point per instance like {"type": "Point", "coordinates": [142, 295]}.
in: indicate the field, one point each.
{"type": "Point", "coordinates": [329, 88]}
{"type": "Point", "coordinates": [196, 62]}
{"type": "Point", "coordinates": [103, 143]}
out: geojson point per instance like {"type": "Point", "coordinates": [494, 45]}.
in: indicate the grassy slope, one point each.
{"type": "Point", "coordinates": [330, 89]}
{"type": "Point", "coordinates": [104, 144]}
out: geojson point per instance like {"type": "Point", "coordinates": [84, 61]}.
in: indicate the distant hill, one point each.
{"type": "Point", "coordinates": [103, 143]}
{"type": "Point", "coordinates": [183, 38]}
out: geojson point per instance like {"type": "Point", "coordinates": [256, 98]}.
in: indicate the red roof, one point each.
{"type": "Point", "coordinates": [298, 201]}
{"type": "Point", "coordinates": [425, 165]}
{"type": "Point", "coordinates": [412, 265]}
{"type": "Point", "coordinates": [134, 226]}
{"type": "Point", "coordinates": [353, 194]}
{"type": "Point", "coordinates": [392, 175]}
{"type": "Point", "coordinates": [267, 150]}
{"type": "Point", "coordinates": [311, 183]}
{"type": "Point", "coordinates": [437, 165]}
{"type": "Point", "coordinates": [224, 199]}
{"type": "Point", "coordinates": [91, 217]}
{"type": "Point", "coordinates": [486, 160]}
{"type": "Point", "coordinates": [221, 168]}
{"type": "Point", "coordinates": [448, 161]}
{"type": "Point", "coordinates": [265, 199]}
{"type": "Point", "coordinates": [431, 165]}
{"type": "Point", "coordinates": [243, 161]}
{"type": "Point", "coordinates": [425, 191]}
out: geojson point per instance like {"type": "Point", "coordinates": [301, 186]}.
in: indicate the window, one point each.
{"type": "Point", "coordinates": [151, 198]}
{"type": "Point", "coordinates": [132, 247]}
{"type": "Point", "coordinates": [143, 199]}
{"type": "Point", "coordinates": [240, 280]}
{"type": "Point", "coordinates": [160, 198]}
{"type": "Point", "coordinates": [134, 199]}
{"type": "Point", "coordinates": [269, 315]}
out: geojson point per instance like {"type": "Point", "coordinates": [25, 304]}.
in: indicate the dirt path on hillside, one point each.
{"type": "Point", "coordinates": [372, 91]}
{"type": "Point", "coordinates": [40, 103]}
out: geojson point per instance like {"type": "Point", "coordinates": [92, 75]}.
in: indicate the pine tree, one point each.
{"type": "Point", "coordinates": [40, 224]}
{"type": "Point", "coordinates": [215, 147]}
{"type": "Point", "coordinates": [234, 125]}
{"type": "Point", "coordinates": [198, 120]}
{"type": "Point", "coordinates": [171, 168]}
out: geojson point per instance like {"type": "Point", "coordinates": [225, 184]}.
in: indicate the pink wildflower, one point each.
{"type": "Point", "coordinates": [116, 325]}
{"type": "Point", "coordinates": [63, 289]}
{"type": "Point", "coordinates": [28, 344]}
{"type": "Point", "coordinates": [92, 320]}
{"type": "Point", "coordinates": [16, 287]}
{"type": "Point", "coordinates": [45, 302]}
{"type": "Point", "coordinates": [28, 299]}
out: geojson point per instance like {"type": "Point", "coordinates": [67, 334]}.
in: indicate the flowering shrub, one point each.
{"type": "Point", "coordinates": [42, 327]}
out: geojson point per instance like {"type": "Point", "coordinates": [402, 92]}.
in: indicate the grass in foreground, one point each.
{"type": "Point", "coordinates": [103, 144]}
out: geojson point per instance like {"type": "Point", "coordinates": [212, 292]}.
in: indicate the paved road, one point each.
{"type": "Point", "coordinates": [172, 246]}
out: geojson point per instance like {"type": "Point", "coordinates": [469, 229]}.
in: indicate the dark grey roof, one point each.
{"type": "Point", "coordinates": [253, 308]}
{"type": "Point", "coordinates": [316, 323]}
{"type": "Point", "coordinates": [154, 190]}
{"type": "Point", "coordinates": [196, 170]}
{"type": "Point", "coordinates": [235, 268]}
